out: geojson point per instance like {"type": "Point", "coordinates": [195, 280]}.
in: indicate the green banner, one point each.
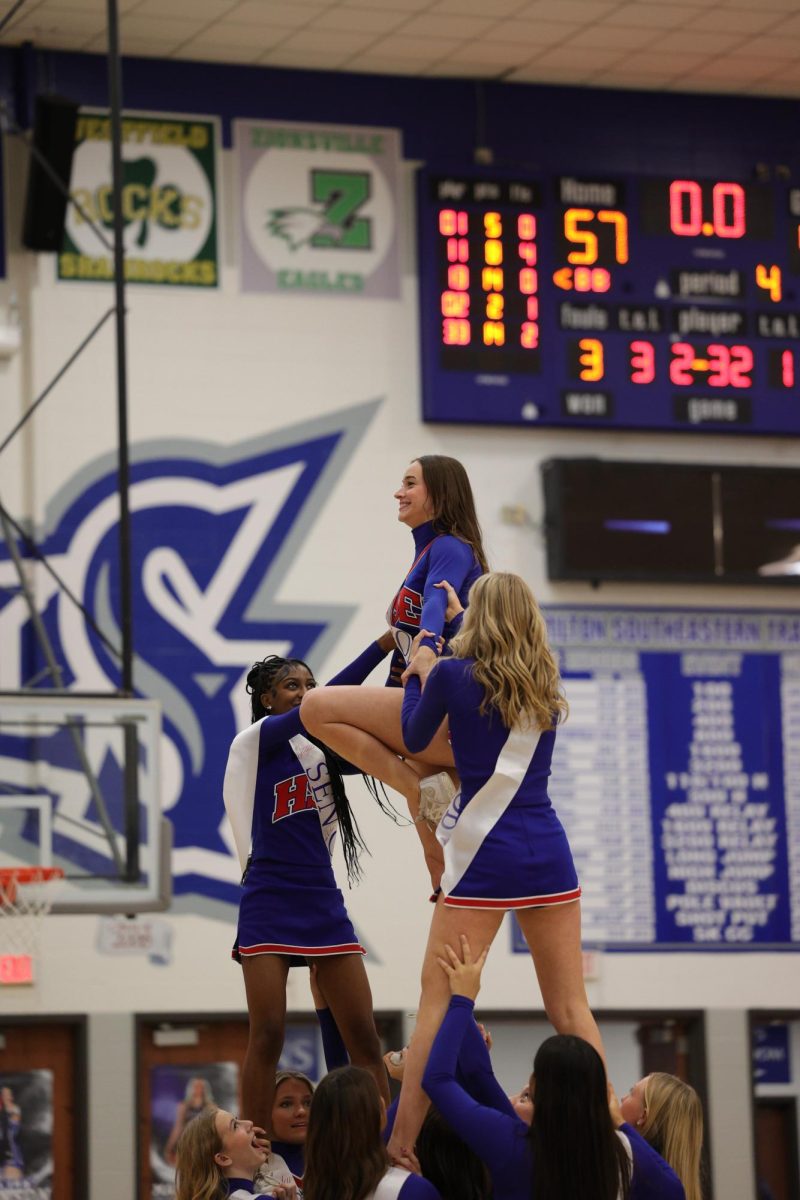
{"type": "Point", "coordinates": [169, 201]}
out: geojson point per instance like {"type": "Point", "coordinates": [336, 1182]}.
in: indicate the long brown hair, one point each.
{"type": "Point", "coordinates": [450, 494]}
{"type": "Point", "coordinates": [576, 1150]}
{"type": "Point", "coordinates": [345, 1155]}
{"type": "Point", "coordinates": [197, 1174]}
{"type": "Point", "coordinates": [673, 1125]}
{"type": "Point", "coordinates": [505, 632]}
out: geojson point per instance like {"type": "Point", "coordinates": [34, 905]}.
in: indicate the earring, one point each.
{"type": "Point", "coordinates": [268, 708]}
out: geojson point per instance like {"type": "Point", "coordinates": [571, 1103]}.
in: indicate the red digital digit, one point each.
{"type": "Point", "coordinates": [452, 222]}
{"type": "Point", "coordinates": [741, 366]}
{"type": "Point", "coordinates": [728, 209]}
{"type": "Point", "coordinates": [643, 362]}
{"type": "Point", "coordinates": [455, 304]}
{"type": "Point", "coordinates": [455, 332]}
{"type": "Point", "coordinates": [526, 226]}
{"type": "Point", "coordinates": [527, 252]}
{"type": "Point", "coordinates": [529, 335]}
{"type": "Point", "coordinates": [680, 365]}
{"type": "Point", "coordinates": [682, 222]}
{"type": "Point", "coordinates": [532, 308]}
{"type": "Point", "coordinates": [458, 277]}
{"type": "Point", "coordinates": [719, 366]}
{"type": "Point", "coordinates": [528, 281]}
{"type": "Point", "coordinates": [787, 368]}
{"type": "Point", "coordinates": [457, 250]}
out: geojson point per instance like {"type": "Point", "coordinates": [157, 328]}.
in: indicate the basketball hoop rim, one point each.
{"type": "Point", "coordinates": [29, 875]}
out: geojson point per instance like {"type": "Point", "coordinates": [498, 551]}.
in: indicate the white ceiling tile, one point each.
{"type": "Point", "coordinates": [217, 53]}
{"type": "Point", "coordinates": [276, 12]}
{"type": "Point", "coordinates": [97, 6]}
{"type": "Point", "coordinates": [743, 68]}
{"type": "Point", "coordinates": [208, 10]}
{"type": "Point", "coordinates": [407, 6]}
{"type": "Point", "coordinates": [507, 54]}
{"type": "Point", "coordinates": [447, 25]}
{"type": "Point", "coordinates": [555, 75]}
{"type": "Point", "coordinates": [426, 49]}
{"type": "Point", "coordinates": [774, 87]}
{"type": "Point", "coordinates": [614, 36]}
{"type": "Point", "coordinates": [320, 60]}
{"type": "Point", "coordinates": [734, 20]}
{"type": "Point", "coordinates": [778, 6]}
{"type": "Point", "coordinates": [499, 8]}
{"type": "Point", "coordinates": [770, 47]}
{"type": "Point", "coordinates": [175, 29]}
{"type": "Point", "coordinates": [321, 41]}
{"type": "Point", "coordinates": [367, 19]}
{"type": "Point", "coordinates": [645, 61]}
{"type": "Point", "coordinates": [584, 60]}
{"type": "Point", "coordinates": [226, 33]}
{"type": "Point", "coordinates": [631, 80]}
{"type": "Point", "coordinates": [655, 16]}
{"type": "Point", "coordinates": [697, 42]}
{"type": "Point", "coordinates": [790, 26]}
{"type": "Point", "coordinates": [465, 70]}
{"type": "Point", "coordinates": [66, 22]}
{"type": "Point", "coordinates": [366, 64]}
{"type": "Point", "coordinates": [578, 11]}
{"type": "Point", "coordinates": [531, 33]}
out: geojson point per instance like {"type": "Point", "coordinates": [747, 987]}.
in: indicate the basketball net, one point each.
{"type": "Point", "coordinates": [26, 897]}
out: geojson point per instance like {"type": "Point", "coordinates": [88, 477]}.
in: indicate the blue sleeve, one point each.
{"type": "Point", "coordinates": [333, 1047]}
{"type": "Point", "coordinates": [450, 559]}
{"type": "Point", "coordinates": [358, 670]}
{"type": "Point", "coordinates": [417, 1188]}
{"type": "Point", "coordinates": [423, 712]}
{"type": "Point", "coordinates": [475, 1072]}
{"type": "Point", "coordinates": [489, 1133]}
{"type": "Point", "coordinates": [652, 1178]}
{"type": "Point", "coordinates": [277, 730]}
{"type": "Point", "coordinates": [391, 1113]}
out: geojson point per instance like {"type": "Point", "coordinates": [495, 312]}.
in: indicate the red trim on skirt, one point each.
{"type": "Point", "coordinates": [306, 951]}
{"type": "Point", "coordinates": [511, 905]}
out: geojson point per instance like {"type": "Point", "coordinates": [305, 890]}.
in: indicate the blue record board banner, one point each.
{"type": "Point", "coordinates": [628, 302]}
{"type": "Point", "coordinates": [677, 775]}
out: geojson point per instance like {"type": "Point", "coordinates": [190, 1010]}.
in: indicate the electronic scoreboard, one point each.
{"type": "Point", "coordinates": [632, 302]}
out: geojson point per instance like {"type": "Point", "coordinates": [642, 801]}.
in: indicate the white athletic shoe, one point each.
{"type": "Point", "coordinates": [435, 794]}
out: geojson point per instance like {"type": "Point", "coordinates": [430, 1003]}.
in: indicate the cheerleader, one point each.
{"type": "Point", "coordinates": [575, 1141]}
{"type": "Point", "coordinates": [345, 1155]}
{"type": "Point", "coordinates": [504, 847]}
{"type": "Point", "coordinates": [435, 501]}
{"type": "Point", "coordinates": [286, 802]}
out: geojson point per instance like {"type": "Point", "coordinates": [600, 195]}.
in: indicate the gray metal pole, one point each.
{"type": "Point", "coordinates": [131, 783]}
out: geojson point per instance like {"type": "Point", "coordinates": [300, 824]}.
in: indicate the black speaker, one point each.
{"type": "Point", "coordinates": [45, 204]}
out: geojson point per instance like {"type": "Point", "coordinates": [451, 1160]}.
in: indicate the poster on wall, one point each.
{"type": "Point", "coordinates": [169, 201]}
{"type": "Point", "coordinates": [319, 208]}
{"type": "Point", "coordinates": [26, 1134]}
{"type": "Point", "coordinates": [178, 1094]}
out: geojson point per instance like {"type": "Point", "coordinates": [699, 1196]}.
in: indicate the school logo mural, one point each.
{"type": "Point", "coordinates": [168, 201]}
{"type": "Point", "coordinates": [318, 208]}
{"type": "Point", "coordinates": [214, 531]}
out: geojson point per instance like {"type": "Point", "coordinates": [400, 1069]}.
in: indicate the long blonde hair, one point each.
{"type": "Point", "coordinates": [673, 1125]}
{"type": "Point", "coordinates": [505, 632]}
{"type": "Point", "coordinates": [198, 1176]}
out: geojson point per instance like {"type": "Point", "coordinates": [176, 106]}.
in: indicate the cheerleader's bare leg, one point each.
{"type": "Point", "coordinates": [448, 924]}
{"type": "Point", "coordinates": [362, 724]}
{"type": "Point", "coordinates": [265, 977]}
{"type": "Point", "coordinates": [343, 981]}
{"type": "Point", "coordinates": [553, 935]}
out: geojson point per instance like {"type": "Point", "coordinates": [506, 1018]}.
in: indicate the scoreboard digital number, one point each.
{"type": "Point", "coordinates": [637, 303]}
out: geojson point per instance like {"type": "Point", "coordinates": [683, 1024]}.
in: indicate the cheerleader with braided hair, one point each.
{"type": "Point", "coordinates": [286, 802]}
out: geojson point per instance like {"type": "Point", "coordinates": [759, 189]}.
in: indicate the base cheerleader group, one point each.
{"type": "Point", "coordinates": [464, 731]}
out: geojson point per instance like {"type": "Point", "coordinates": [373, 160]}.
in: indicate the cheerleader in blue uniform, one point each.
{"type": "Point", "coordinates": [435, 501]}
{"type": "Point", "coordinates": [286, 802]}
{"type": "Point", "coordinates": [504, 847]}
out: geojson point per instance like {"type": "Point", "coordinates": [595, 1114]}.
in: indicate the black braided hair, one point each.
{"type": "Point", "coordinates": [263, 677]}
